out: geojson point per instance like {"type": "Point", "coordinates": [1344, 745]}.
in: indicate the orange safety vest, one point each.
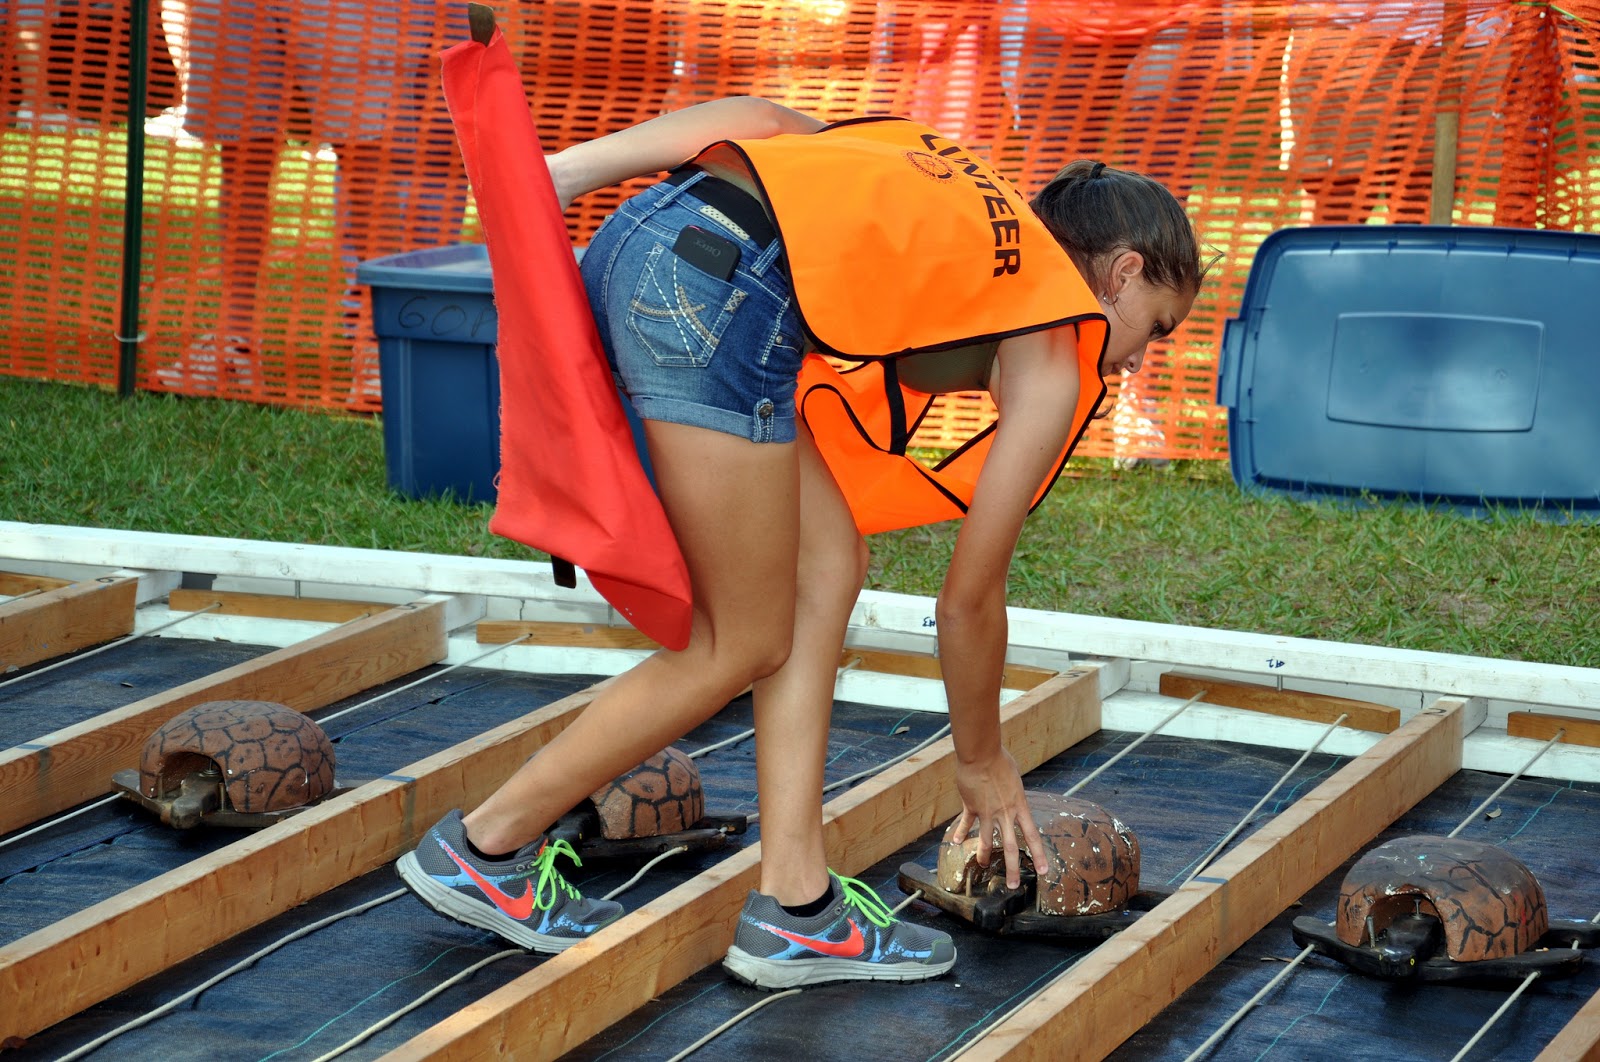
{"type": "Point", "coordinates": [899, 241]}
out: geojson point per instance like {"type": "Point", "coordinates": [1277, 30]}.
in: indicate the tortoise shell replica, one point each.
{"type": "Point", "coordinates": [264, 756]}
{"type": "Point", "coordinates": [1097, 854]}
{"type": "Point", "coordinates": [1487, 902]}
{"type": "Point", "coordinates": [1442, 909]}
{"type": "Point", "coordinates": [662, 795]}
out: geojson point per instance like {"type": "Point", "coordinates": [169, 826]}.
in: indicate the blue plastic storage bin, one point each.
{"type": "Point", "coordinates": [1452, 365]}
{"type": "Point", "coordinates": [433, 313]}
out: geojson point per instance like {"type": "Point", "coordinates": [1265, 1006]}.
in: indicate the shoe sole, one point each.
{"type": "Point", "coordinates": [773, 974]}
{"type": "Point", "coordinates": [469, 912]}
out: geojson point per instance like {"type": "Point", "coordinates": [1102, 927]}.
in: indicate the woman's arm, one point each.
{"type": "Point", "coordinates": [664, 142]}
{"type": "Point", "coordinates": [1037, 391]}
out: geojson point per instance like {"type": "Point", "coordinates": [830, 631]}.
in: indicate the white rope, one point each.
{"type": "Point", "coordinates": [14, 838]}
{"type": "Point", "coordinates": [1490, 799]}
{"type": "Point", "coordinates": [890, 762]}
{"type": "Point", "coordinates": [730, 1023]}
{"type": "Point", "coordinates": [853, 662]}
{"type": "Point", "coordinates": [174, 1004]}
{"type": "Point", "coordinates": [426, 678]}
{"type": "Point", "coordinates": [388, 1020]}
{"type": "Point", "coordinates": [631, 882]}
{"type": "Point", "coordinates": [1512, 998]}
{"type": "Point", "coordinates": [449, 982]}
{"type": "Point", "coordinates": [1135, 743]}
{"type": "Point", "coordinates": [111, 645]}
{"type": "Point", "coordinates": [1211, 1040]}
{"type": "Point", "coordinates": [1206, 859]}
{"type": "Point", "coordinates": [724, 743]}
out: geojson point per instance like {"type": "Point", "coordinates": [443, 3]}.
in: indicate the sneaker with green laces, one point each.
{"type": "Point", "coordinates": [856, 938]}
{"type": "Point", "coordinates": [523, 897]}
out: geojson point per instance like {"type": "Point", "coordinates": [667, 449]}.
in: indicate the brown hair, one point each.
{"type": "Point", "coordinates": [1096, 212]}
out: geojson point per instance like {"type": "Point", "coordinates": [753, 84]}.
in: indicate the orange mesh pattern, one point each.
{"type": "Point", "coordinates": [291, 139]}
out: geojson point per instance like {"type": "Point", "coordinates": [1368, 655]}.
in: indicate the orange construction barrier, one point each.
{"type": "Point", "coordinates": [291, 139]}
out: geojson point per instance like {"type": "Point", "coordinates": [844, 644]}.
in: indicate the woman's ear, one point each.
{"type": "Point", "coordinates": [1124, 267]}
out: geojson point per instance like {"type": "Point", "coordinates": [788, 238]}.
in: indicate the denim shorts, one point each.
{"type": "Point", "coordinates": [687, 347]}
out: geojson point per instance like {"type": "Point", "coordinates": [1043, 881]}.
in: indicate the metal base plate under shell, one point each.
{"type": "Point", "coordinates": [201, 799]}
{"type": "Point", "coordinates": [1012, 911]}
{"type": "Point", "coordinates": [581, 829]}
{"type": "Point", "coordinates": [1411, 949]}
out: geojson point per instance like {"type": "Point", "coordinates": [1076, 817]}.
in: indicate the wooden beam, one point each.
{"type": "Point", "coordinates": [14, 583]}
{"type": "Point", "coordinates": [1296, 704]}
{"type": "Point", "coordinates": [66, 619]}
{"type": "Point", "coordinates": [74, 764]}
{"type": "Point", "coordinates": [585, 635]}
{"type": "Point", "coordinates": [1131, 978]}
{"type": "Point", "coordinates": [272, 606]}
{"type": "Point", "coordinates": [85, 958]}
{"type": "Point", "coordinates": [666, 940]}
{"type": "Point", "coordinates": [596, 636]}
{"type": "Point", "coordinates": [921, 665]}
{"type": "Point", "coordinates": [1544, 727]}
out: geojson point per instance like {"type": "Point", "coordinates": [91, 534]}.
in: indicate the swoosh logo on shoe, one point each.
{"type": "Point", "coordinates": [518, 907]}
{"type": "Point", "coordinates": [848, 948]}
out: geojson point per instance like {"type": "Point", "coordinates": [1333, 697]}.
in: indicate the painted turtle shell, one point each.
{"type": "Point", "coordinates": [269, 757]}
{"type": "Point", "coordinates": [1487, 902]}
{"type": "Point", "coordinates": [661, 795]}
{"type": "Point", "coordinates": [1097, 854]}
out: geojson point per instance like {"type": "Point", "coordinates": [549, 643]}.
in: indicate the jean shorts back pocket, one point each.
{"type": "Point", "coordinates": [679, 313]}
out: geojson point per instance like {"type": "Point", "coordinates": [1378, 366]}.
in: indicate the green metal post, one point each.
{"type": "Point", "coordinates": [128, 334]}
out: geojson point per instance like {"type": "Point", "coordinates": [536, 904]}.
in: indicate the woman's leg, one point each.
{"type": "Point", "coordinates": [793, 705]}
{"type": "Point", "coordinates": [734, 508]}
{"type": "Point", "coordinates": [799, 928]}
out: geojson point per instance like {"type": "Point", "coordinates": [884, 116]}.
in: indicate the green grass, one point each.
{"type": "Point", "coordinates": [1174, 545]}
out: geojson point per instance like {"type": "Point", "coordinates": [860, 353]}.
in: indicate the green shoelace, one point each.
{"type": "Point", "coordinates": [859, 894]}
{"type": "Point", "coordinates": [550, 879]}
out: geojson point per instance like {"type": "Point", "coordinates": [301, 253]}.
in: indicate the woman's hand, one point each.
{"type": "Point", "coordinates": [993, 800]}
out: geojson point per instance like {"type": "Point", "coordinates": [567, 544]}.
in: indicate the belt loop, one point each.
{"type": "Point", "coordinates": [769, 255]}
{"type": "Point", "coordinates": [679, 181]}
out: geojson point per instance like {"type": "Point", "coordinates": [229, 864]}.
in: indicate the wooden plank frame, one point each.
{"type": "Point", "coordinates": [651, 949]}
{"type": "Point", "coordinates": [1297, 704]}
{"type": "Point", "coordinates": [44, 977]}
{"type": "Point", "coordinates": [75, 763]}
{"type": "Point", "coordinates": [80, 960]}
{"type": "Point", "coordinates": [65, 619]}
{"type": "Point", "coordinates": [271, 606]}
{"type": "Point", "coordinates": [1129, 979]}
{"type": "Point", "coordinates": [233, 887]}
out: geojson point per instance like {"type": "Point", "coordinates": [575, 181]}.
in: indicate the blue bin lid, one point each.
{"type": "Point", "coordinates": [457, 267]}
{"type": "Point", "coordinates": [1440, 363]}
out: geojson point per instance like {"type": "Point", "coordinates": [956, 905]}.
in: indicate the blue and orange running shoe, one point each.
{"type": "Point", "coordinates": [857, 938]}
{"type": "Point", "coordinates": [523, 897]}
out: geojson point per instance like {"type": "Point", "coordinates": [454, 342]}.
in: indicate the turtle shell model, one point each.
{"type": "Point", "coordinates": [1443, 908]}
{"type": "Point", "coordinates": [247, 762]}
{"type": "Point", "coordinates": [1098, 857]}
{"type": "Point", "coordinates": [661, 795]}
{"type": "Point", "coordinates": [1094, 894]}
{"type": "Point", "coordinates": [657, 806]}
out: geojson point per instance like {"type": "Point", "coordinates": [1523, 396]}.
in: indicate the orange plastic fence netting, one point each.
{"type": "Point", "coordinates": [289, 140]}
